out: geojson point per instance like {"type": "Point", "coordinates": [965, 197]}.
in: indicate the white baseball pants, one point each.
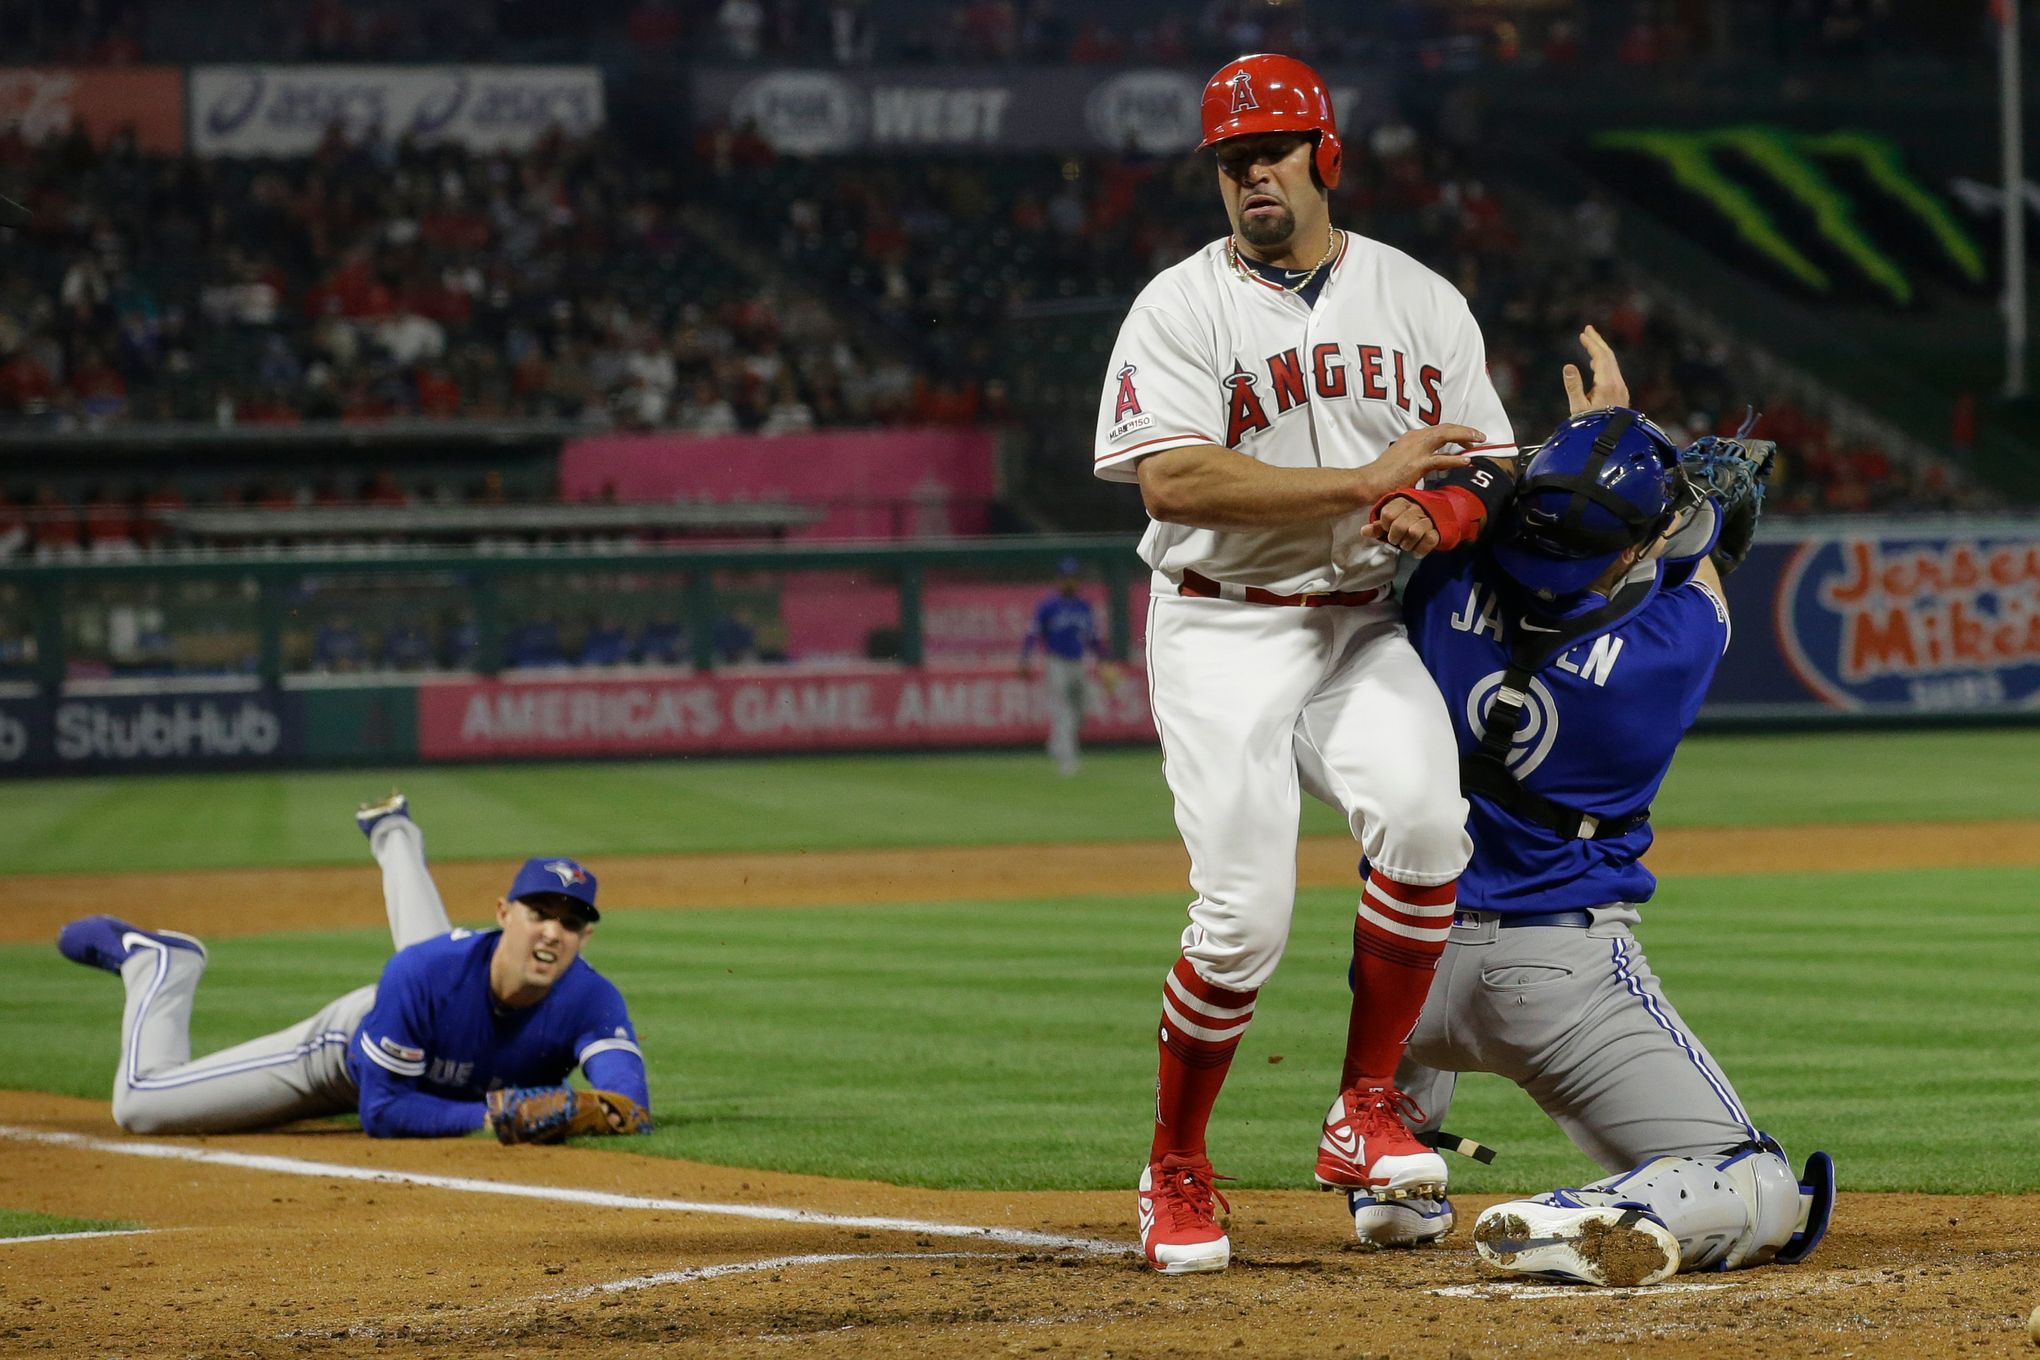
{"type": "Point", "coordinates": [1254, 702]}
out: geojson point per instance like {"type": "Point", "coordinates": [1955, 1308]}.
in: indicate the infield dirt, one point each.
{"type": "Point", "coordinates": [245, 1262]}
{"type": "Point", "coordinates": [284, 1259]}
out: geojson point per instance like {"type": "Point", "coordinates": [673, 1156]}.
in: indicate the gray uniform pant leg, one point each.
{"type": "Point", "coordinates": [1067, 692]}
{"type": "Point", "coordinates": [295, 1073]}
{"type": "Point", "coordinates": [1577, 1019]}
{"type": "Point", "coordinates": [410, 897]}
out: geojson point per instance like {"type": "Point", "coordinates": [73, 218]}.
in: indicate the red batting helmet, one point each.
{"type": "Point", "coordinates": [1267, 92]}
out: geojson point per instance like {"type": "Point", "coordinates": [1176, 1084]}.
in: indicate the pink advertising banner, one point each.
{"type": "Point", "coordinates": [875, 483]}
{"type": "Point", "coordinates": [962, 622]}
{"type": "Point", "coordinates": [872, 707]}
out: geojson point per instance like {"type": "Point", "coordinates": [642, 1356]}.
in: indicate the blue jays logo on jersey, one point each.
{"type": "Point", "coordinates": [1535, 734]}
{"type": "Point", "coordinates": [567, 872]}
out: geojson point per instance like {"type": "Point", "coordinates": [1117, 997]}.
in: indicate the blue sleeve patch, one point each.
{"type": "Point", "coordinates": [399, 1051]}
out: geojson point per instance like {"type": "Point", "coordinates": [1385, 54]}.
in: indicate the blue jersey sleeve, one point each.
{"type": "Point", "coordinates": [1702, 623]}
{"type": "Point", "coordinates": [605, 1044]}
{"type": "Point", "coordinates": [391, 1045]}
{"type": "Point", "coordinates": [392, 1108]}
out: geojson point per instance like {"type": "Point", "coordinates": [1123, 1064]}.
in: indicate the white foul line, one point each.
{"type": "Point", "coordinates": [769, 1263]}
{"type": "Point", "coordinates": [291, 1166]}
{"type": "Point", "coordinates": [75, 1236]}
{"type": "Point", "coordinates": [1501, 1289]}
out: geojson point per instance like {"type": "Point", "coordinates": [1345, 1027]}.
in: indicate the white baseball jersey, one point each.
{"type": "Point", "coordinates": [1214, 354]}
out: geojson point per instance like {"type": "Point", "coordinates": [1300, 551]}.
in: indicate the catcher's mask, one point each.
{"type": "Point", "coordinates": [1605, 481]}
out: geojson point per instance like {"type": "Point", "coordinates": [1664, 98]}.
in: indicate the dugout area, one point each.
{"type": "Point", "coordinates": [901, 1088]}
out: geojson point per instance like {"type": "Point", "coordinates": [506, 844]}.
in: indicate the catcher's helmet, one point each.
{"type": "Point", "coordinates": [1267, 92]}
{"type": "Point", "coordinates": [1605, 481]}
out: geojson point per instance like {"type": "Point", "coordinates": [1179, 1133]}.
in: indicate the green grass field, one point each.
{"type": "Point", "coordinates": [29, 1223]}
{"type": "Point", "coordinates": [1010, 1044]}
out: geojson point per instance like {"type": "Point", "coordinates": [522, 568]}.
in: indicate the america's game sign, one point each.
{"type": "Point", "coordinates": [1876, 620]}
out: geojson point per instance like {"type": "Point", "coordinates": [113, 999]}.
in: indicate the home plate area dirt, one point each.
{"type": "Point", "coordinates": [282, 1245]}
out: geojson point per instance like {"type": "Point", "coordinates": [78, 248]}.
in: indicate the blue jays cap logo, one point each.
{"type": "Point", "coordinates": [554, 875]}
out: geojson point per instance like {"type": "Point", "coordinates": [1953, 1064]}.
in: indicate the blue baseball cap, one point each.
{"type": "Point", "coordinates": [555, 876]}
{"type": "Point", "coordinates": [1068, 566]}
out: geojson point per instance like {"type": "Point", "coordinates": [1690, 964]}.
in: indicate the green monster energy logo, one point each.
{"type": "Point", "coordinates": [1792, 161]}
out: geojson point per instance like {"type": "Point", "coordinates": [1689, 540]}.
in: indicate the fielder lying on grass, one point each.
{"type": "Point", "coordinates": [465, 1030]}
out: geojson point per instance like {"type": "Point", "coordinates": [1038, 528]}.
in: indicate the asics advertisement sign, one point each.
{"type": "Point", "coordinates": [288, 110]}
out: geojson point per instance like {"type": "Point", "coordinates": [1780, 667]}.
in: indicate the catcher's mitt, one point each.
{"type": "Point", "coordinates": [1724, 482]}
{"type": "Point", "coordinates": [1731, 473]}
{"type": "Point", "coordinates": [551, 1114]}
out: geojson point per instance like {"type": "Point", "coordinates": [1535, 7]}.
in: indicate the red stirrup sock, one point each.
{"type": "Point", "coordinates": [1201, 1026]}
{"type": "Point", "coordinates": [1398, 937]}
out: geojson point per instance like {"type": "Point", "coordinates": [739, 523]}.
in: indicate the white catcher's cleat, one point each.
{"type": "Point", "coordinates": [1621, 1245]}
{"type": "Point", "coordinates": [1412, 1222]}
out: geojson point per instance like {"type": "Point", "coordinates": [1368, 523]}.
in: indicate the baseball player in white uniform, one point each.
{"type": "Point", "coordinates": [1268, 394]}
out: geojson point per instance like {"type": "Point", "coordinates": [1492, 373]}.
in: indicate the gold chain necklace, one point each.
{"type": "Point", "coordinates": [1232, 251]}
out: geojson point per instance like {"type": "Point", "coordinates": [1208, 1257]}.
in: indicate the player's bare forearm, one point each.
{"type": "Point", "coordinates": [1209, 487]}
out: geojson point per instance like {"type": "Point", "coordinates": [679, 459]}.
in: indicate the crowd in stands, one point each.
{"type": "Point", "coordinates": [961, 248]}
{"type": "Point", "coordinates": [1428, 34]}
{"type": "Point", "coordinates": [1423, 33]}
{"type": "Point", "coordinates": [149, 636]}
{"type": "Point", "coordinates": [415, 640]}
{"type": "Point", "coordinates": [376, 282]}
{"type": "Point", "coordinates": [572, 283]}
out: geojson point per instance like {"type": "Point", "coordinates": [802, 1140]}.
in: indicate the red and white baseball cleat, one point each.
{"type": "Point", "coordinates": [1178, 1228]}
{"type": "Point", "coordinates": [1366, 1145]}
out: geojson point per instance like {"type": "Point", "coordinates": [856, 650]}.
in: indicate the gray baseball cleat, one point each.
{"type": "Point", "coordinates": [371, 815]}
{"type": "Point", "coordinates": [1410, 1222]}
{"type": "Point", "coordinates": [1605, 1244]}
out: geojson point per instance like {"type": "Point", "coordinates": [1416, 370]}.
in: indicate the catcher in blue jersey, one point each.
{"type": "Point", "coordinates": [1573, 645]}
{"type": "Point", "coordinates": [465, 1031]}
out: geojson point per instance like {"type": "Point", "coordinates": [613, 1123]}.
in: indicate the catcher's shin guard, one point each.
{"type": "Point", "coordinates": [1742, 1208]}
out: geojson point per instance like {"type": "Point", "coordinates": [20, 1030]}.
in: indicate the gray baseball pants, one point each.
{"type": "Point", "coordinates": [1576, 1018]}
{"type": "Point", "coordinates": [295, 1073]}
{"type": "Point", "coordinates": [1067, 694]}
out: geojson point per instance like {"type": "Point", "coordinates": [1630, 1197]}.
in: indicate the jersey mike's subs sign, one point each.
{"type": "Point", "coordinates": [758, 711]}
{"type": "Point", "coordinates": [1942, 620]}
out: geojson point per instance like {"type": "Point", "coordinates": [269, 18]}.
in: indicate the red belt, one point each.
{"type": "Point", "coordinates": [1202, 587]}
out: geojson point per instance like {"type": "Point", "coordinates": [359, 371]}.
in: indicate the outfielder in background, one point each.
{"type": "Point", "coordinates": [1265, 393]}
{"type": "Point", "coordinates": [465, 1030]}
{"type": "Point", "coordinates": [1065, 628]}
{"type": "Point", "coordinates": [1574, 653]}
